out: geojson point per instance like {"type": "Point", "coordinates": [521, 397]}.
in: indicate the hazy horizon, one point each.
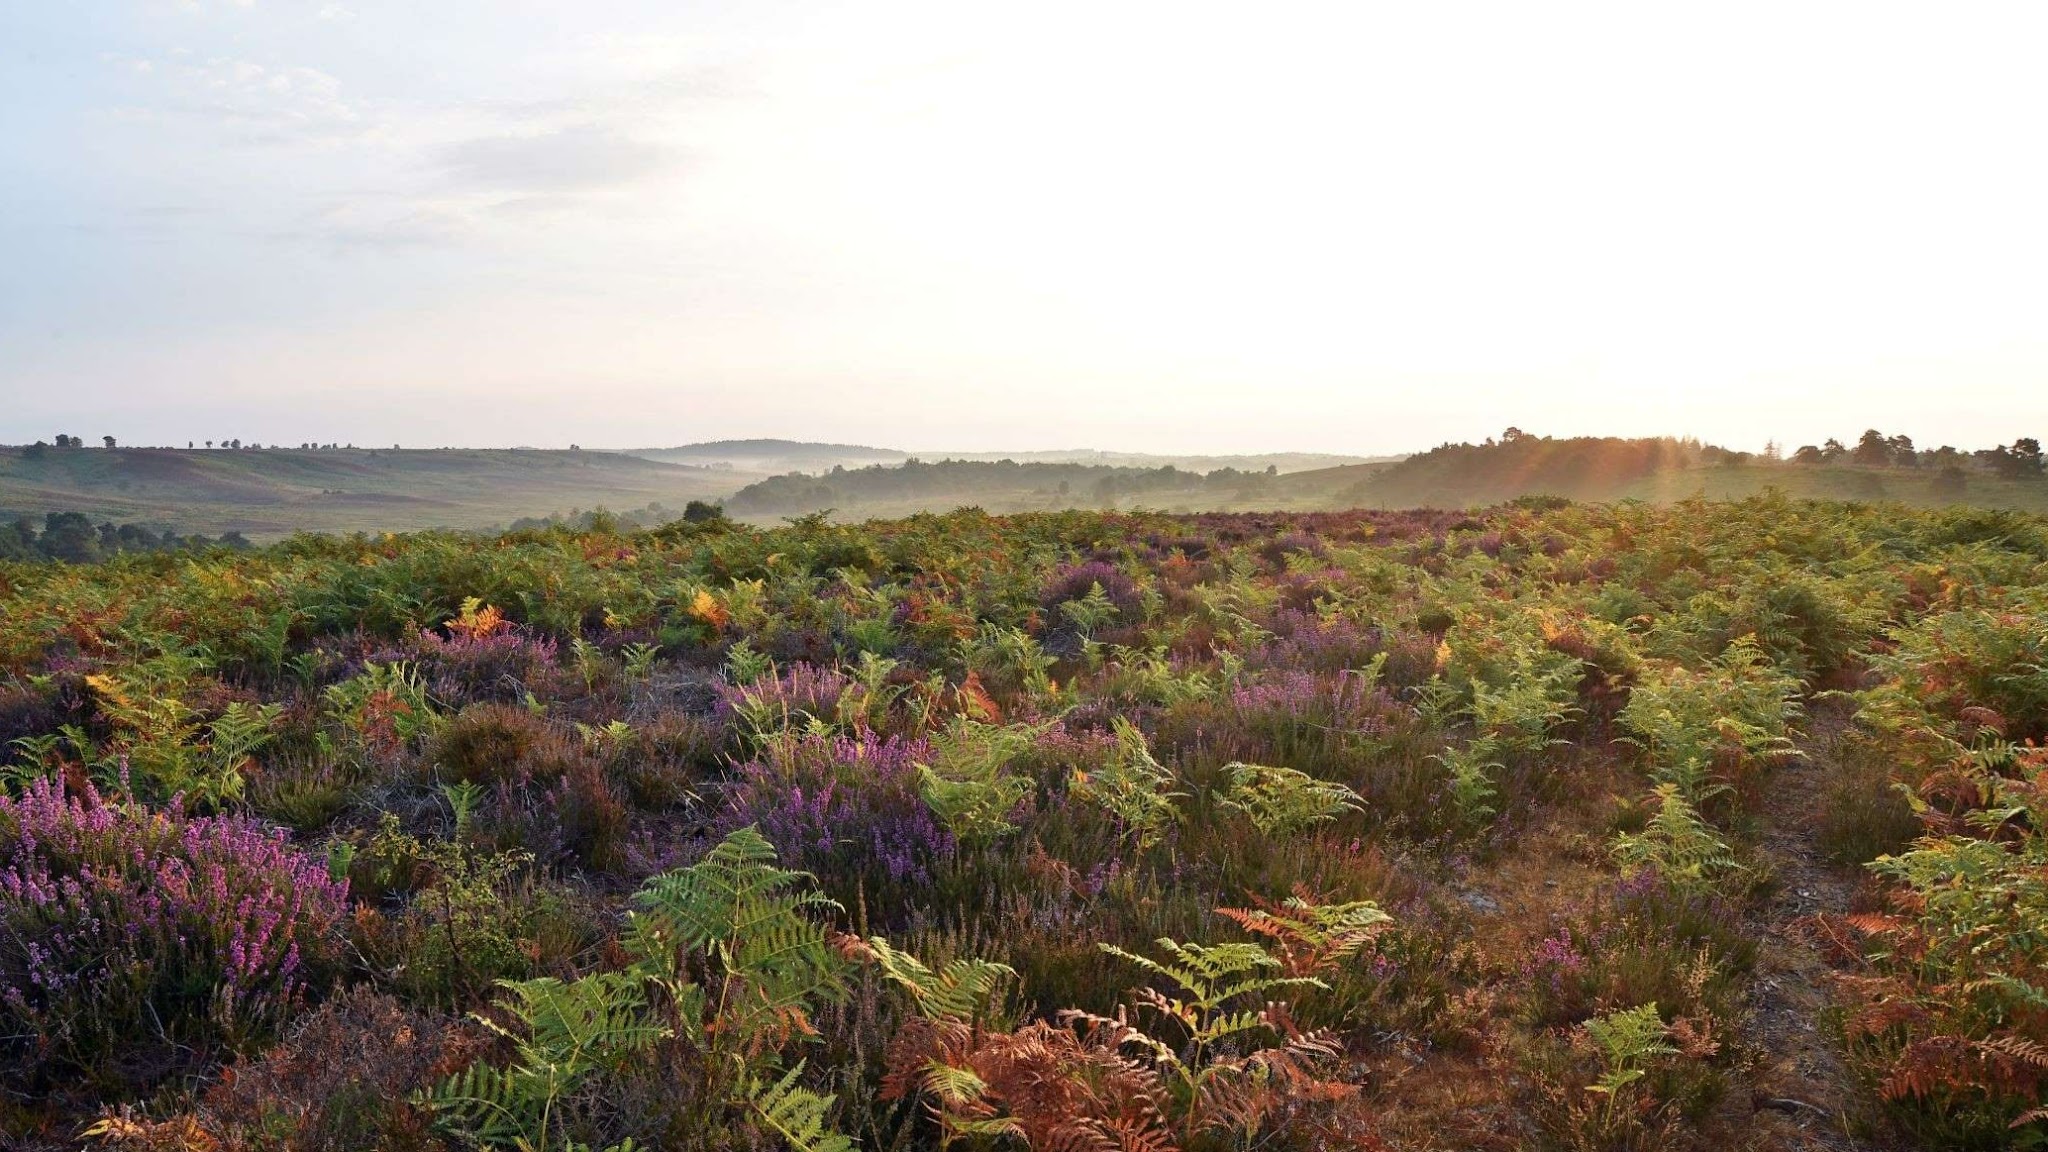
{"type": "Point", "coordinates": [1176, 229]}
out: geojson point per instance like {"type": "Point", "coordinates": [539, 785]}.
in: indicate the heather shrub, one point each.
{"type": "Point", "coordinates": [1075, 582]}
{"type": "Point", "coordinates": [675, 754]}
{"type": "Point", "coordinates": [1306, 721]}
{"type": "Point", "coordinates": [799, 698]}
{"type": "Point", "coordinates": [1863, 816]}
{"type": "Point", "coordinates": [485, 743]}
{"type": "Point", "coordinates": [580, 816]}
{"type": "Point", "coordinates": [545, 790]}
{"type": "Point", "coordinates": [1308, 641]}
{"type": "Point", "coordinates": [851, 810]}
{"type": "Point", "coordinates": [307, 789]}
{"type": "Point", "coordinates": [133, 941]}
{"type": "Point", "coordinates": [487, 660]}
{"type": "Point", "coordinates": [1649, 941]}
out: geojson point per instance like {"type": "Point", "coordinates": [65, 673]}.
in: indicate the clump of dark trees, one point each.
{"type": "Point", "coordinates": [72, 538]}
{"type": "Point", "coordinates": [1874, 449]}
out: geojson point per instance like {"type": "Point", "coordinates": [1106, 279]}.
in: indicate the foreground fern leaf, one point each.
{"type": "Point", "coordinates": [563, 1033]}
{"type": "Point", "coordinates": [796, 1114]}
{"type": "Point", "coordinates": [962, 990]}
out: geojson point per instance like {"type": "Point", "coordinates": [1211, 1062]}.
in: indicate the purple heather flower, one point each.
{"type": "Point", "coordinates": [112, 915]}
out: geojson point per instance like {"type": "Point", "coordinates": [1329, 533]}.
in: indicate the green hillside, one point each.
{"type": "Point", "coordinates": [1662, 470]}
{"type": "Point", "coordinates": [274, 492]}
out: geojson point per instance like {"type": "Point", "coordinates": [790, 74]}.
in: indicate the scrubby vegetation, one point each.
{"type": "Point", "coordinates": [1506, 829]}
{"type": "Point", "coordinates": [71, 538]}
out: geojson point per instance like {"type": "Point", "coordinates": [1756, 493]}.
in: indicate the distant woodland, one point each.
{"type": "Point", "coordinates": [1004, 482]}
{"type": "Point", "coordinates": [109, 500]}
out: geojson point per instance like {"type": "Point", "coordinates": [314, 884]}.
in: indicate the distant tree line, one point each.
{"type": "Point", "coordinates": [72, 538]}
{"type": "Point", "coordinates": [604, 520]}
{"type": "Point", "coordinates": [972, 481]}
{"type": "Point", "coordinates": [1586, 467]}
{"type": "Point", "coordinates": [1589, 467]}
{"type": "Point", "coordinates": [65, 440]}
{"type": "Point", "coordinates": [1874, 449]}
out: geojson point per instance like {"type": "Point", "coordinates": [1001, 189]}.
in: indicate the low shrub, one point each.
{"type": "Point", "coordinates": [338, 1082]}
{"type": "Point", "coordinates": [485, 743]}
{"type": "Point", "coordinates": [851, 811]}
{"type": "Point", "coordinates": [136, 942]}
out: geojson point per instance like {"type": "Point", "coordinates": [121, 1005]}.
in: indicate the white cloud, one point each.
{"type": "Point", "coordinates": [555, 160]}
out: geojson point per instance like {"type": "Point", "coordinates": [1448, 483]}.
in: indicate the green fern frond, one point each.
{"type": "Point", "coordinates": [1285, 801]}
{"type": "Point", "coordinates": [962, 990]}
{"type": "Point", "coordinates": [796, 1114]}
{"type": "Point", "coordinates": [1678, 845]}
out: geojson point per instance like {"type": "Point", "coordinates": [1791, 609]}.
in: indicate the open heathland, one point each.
{"type": "Point", "coordinates": [1544, 825]}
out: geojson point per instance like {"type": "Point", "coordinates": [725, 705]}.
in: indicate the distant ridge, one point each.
{"type": "Point", "coordinates": [270, 492]}
{"type": "Point", "coordinates": [779, 456]}
{"type": "Point", "coordinates": [765, 447]}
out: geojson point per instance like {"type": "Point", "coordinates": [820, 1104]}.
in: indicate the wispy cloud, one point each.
{"type": "Point", "coordinates": [573, 158]}
{"type": "Point", "coordinates": [253, 102]}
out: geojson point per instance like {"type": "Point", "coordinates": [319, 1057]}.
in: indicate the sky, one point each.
{"type": "Point", "coordinates": [1177, 227]}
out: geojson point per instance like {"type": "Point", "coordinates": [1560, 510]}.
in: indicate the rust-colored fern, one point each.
{"type": "Point", "coordinates": [1065, 1086]}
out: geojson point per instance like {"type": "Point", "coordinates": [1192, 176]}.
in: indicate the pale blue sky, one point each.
{"type": "Point", "coordinates": [1166, 226]}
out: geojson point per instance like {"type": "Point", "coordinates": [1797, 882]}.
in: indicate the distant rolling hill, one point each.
{"type": "Point", "coordinates": [885, 490]}
{"type": "Point", "coordinates": [267, 493]}
{"type": "Point", "coordinates": [276, 491]}
{"type": "Point", "coordinates": [778, 456]}
{"type": "Point", "coordinates": [1658, 470]}
{"type": "Point", "coordinates": [771, 456]}
{"type": "Point", "coordinates": [271, 492]}
{"type": "Point", "coordinates": [1593, 469]}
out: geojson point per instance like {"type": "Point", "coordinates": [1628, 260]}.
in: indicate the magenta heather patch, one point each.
{"type": "Point", "coordinates": [1073, 583]}
{"type": "Point", "coordinates": [123, 928]}
{"type": "Point", "coordinates": [845, 805]}
{"type": "Point", "coordinates": [1342, 701]}
{"type": "Point", "coordinates": [498, 665]}
{"type": "Point", "coordinates": [799, 692]}
{"type": "Point", "coordinates": [1306, 640]}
